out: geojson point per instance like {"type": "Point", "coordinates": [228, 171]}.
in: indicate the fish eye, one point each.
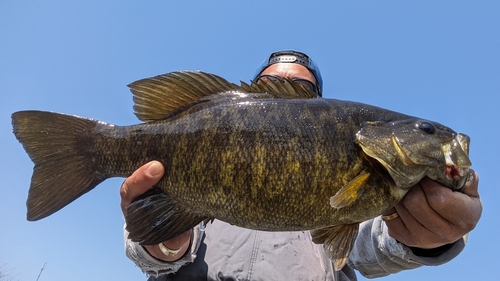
{"type": "Point", "coordinates": [427, 127]}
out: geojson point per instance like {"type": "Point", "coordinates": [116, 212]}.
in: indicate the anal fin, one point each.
{"type": "Point", "coordinates": [337, 242]}
{"type": "Point", "coordinates": [154, 217]}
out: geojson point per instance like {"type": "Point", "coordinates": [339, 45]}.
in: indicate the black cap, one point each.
{"type": "Point", "coordinates": [290, 56]}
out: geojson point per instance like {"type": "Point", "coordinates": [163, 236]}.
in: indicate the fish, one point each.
{"type": "Point", "coordinates": [269, 156]}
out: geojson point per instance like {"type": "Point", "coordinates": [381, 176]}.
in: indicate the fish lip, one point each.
{"type": "Point", "coordinates": [464, 142]}
{"type": "Point", "coordinates": [457, 167]}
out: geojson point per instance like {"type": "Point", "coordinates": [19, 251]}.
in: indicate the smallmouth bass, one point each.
{"type": "Point", "coordinates": [267, 156]}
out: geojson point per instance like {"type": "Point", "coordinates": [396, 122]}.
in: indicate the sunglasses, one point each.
{"type": "Point", "coordinates": [304, 82]}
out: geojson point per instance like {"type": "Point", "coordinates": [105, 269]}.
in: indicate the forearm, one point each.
{"type": "Point", "coordinates": [173, 249]}
{"type": "Point", "coordinates": [151, 265]}
{"type": "Point", "coordinates": [376, 254]}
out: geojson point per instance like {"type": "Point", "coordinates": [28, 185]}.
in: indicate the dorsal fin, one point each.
{"type": "Point", "coordinates": [157, 96]}
{"type": "Point", "coordinates": [282, 88]}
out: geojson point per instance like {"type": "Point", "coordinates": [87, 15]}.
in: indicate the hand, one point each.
{"type": "Point", "coordinates": [431, 215]}
{"type": "Point", "coordinates": [139, 182]}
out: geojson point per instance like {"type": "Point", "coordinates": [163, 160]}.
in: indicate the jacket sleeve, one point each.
{"type": "Point", "coordinates": [154, 267]}
{"type": "Point", "coordinates": [376, 254]}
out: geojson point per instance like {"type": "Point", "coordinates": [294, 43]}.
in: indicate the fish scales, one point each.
{"type": "Point", "coordinates": [288, 158]}
{"type": "Point", "coordinates": [267, 156]}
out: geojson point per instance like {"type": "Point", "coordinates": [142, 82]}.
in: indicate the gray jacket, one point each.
{"type": "Point", "coordinates": [220, 251]}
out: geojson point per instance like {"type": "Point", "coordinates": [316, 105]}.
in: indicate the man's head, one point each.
{"type": "Point", "coordinates": [293, 65]}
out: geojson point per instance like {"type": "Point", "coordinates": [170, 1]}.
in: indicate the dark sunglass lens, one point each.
{"type": "Point", "coordinates": [266, 78]}
{"type": "Point", "coordinates": [307, 84]}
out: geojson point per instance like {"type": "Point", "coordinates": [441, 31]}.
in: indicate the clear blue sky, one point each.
{"type": "Point", "coordinates": [435, 59]}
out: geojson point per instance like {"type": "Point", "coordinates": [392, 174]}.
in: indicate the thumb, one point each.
{"type": "Point", "coordinates": [139, 182]}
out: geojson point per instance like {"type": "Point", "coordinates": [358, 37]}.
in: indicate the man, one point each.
{"type": "Point", "coordinates": [428, 227]}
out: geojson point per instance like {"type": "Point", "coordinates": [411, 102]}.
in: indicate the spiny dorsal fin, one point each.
{"type": "Point", "coordinates": [283, 88]}
{"type": "Point", "coordinates": [157, 96]}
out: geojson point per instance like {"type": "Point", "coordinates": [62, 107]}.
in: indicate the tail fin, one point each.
{"type": "Point", "coordinates": [63, 171]}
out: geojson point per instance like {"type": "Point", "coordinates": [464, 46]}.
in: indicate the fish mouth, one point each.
{"type": "Point", "coordinates": [456, 155]}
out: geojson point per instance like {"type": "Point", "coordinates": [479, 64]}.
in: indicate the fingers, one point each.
{"type": "Point", "coordinates": [431, 215]}
{"type": "Point", "coordinates": [417, 224]}
{"type": "Point", "coordinates": [139, 182]}
{"type": "Point", "coordinates": [462, 210]}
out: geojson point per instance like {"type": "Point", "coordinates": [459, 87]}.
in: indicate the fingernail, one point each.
{"type": "Point", "coordinates": [154, 169]}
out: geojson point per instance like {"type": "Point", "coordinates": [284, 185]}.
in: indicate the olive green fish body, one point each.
{"type": "Point", "coordinates": [276, 161]}
{"type": "Point", "coordinates": [262, 156]}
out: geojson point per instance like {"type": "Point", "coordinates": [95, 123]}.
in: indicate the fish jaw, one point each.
{"type": "Point", "coordinates": [456, 160]}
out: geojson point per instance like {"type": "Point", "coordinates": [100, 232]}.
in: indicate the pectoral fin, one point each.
{"type": "Point", "coordinates": [337, 242]}
{"type": "Point", "coordinates": [154, 217]}
{"type": "Point", "coordinates": [348, 194]}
